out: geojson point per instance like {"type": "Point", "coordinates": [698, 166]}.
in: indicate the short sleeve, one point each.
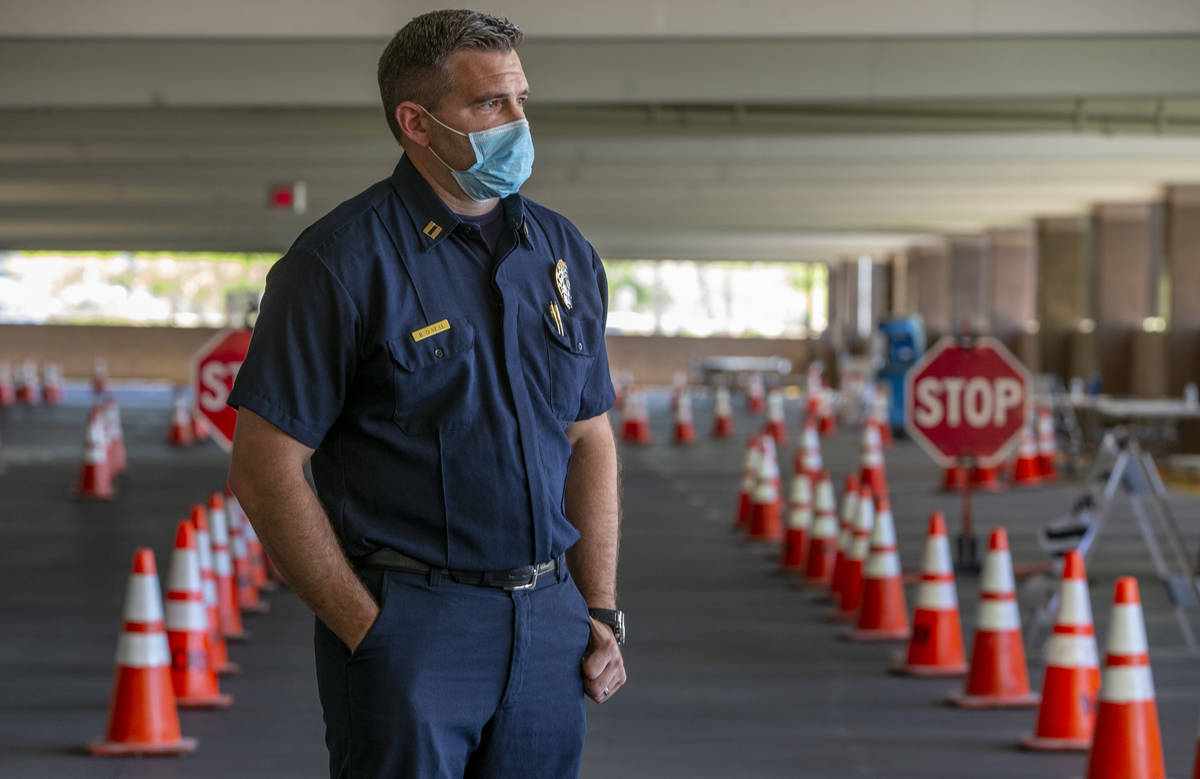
{"type": "Point", "coordinates": [598, 394]}
{"type": "Point", "coordinates": [303, 350]}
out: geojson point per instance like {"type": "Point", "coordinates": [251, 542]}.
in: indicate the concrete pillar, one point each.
{"type": "Point", "coordinates": [970, 272]}
{"type": "Point", "coordinates": [1124, 288]}
{"type": "Point", "coordinates": [881, 292]}
{"type": "Point", "coordinates": [838, 306]}
{"type": "Point", "coordinates": [1012, 293]}
{"type": "Point", "coordinates": [932, 290]}
{"type": "Point", "coordinates": [1183, 258]}
{"type": "Point", "coordinates": [1064, 300]}
{"type": "Point", "coordinates": [898, 304]}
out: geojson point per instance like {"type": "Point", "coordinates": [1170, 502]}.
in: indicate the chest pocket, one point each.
{"type": "Point", "coordinates": [569, 358]}
{"type": "Point", "coordinates": [435, 380]}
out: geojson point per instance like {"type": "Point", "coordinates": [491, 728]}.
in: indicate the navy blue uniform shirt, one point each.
{"type": "Point", "coordinates": [430, 374]}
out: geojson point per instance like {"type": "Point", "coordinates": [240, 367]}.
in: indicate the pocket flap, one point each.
{"type": "Point", "coordinates": [579, 334]}
{"type": "Point", "coordinates": [414, 355]}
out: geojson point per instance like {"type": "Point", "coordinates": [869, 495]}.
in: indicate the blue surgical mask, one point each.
{"type": "Point", "coordinates": [503, 159]}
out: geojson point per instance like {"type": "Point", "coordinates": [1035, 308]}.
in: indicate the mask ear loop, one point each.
{"type": "Point", "coordinates": [437, 156]}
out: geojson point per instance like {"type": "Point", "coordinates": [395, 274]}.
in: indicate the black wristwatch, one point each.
{"type": "Point", "coordinates": [614, 618]}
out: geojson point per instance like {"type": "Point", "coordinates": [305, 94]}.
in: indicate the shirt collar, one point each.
{"type": "Point", "coordinates": [434, 220]}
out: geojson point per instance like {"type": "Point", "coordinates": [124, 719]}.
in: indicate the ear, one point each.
{"type": "Point", "coordinates": [413, 123]}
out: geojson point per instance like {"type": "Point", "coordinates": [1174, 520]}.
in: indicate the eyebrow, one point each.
{"type": "Point", "coordinates": [498, 95]}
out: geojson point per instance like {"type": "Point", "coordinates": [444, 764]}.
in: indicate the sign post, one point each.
{"type": "Point", "coordinates": [214, 367]}
{"type": "Point", "coordinates": [966, 402]}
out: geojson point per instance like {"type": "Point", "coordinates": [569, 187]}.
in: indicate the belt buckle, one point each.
{"type": "Point", "coordinates": [529, 585]}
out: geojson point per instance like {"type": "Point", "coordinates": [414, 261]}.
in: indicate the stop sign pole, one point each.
{"type": "Point", "coordinates": [214, 367]}
{"type": "Point", "coordinates": [966, 402]}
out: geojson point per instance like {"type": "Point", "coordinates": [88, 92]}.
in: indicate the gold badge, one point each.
{"type": "Point", "coordinates": [563, 281]}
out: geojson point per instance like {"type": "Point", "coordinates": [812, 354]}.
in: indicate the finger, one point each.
{"type": "Point", "coordinates": [595, 664]}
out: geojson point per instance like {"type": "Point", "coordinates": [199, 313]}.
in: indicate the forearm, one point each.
{"type": "Point", "coordinates": [294, 530]}
{"type": "Point", "coordinates": [592, 499]}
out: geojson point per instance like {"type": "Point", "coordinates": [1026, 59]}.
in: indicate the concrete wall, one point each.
{"type": "Point", "coordinates": [164, 353]}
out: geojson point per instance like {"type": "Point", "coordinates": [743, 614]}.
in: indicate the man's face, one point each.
{"type": "Point", "coordinates": [489, 90]}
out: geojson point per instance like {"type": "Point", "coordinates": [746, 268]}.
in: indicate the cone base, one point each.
{"type": "Point", "coordinates": [229, 669]}
{"type": "Point", "coordinates": [218, 701]}
{"type": "Point", "coordinates": [261, 607]}
{"type": "Point", "coordinates": [1055, 744]}
{"type": "Point", "coordinates": [843, 616]}
{"type": "Point", "coordinates": [103, 748]}
{"type": "Point", "coordinates": [899, 667]}
{"type": "Point", "coordinates": [963, 701]}
{"type": "Point", "coordinates": [238, 637]}
{"type": "Point", "coordinates": [860, 635]}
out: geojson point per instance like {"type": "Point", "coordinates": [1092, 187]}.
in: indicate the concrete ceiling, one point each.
{"type": "Point", "coordinates": [716, 137]}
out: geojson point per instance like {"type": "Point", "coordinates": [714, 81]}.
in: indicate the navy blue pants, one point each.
{"type": "Point", "coordinates": [455, 680]}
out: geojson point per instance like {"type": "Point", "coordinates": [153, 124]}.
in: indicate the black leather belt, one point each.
{"type": "Point", "coordinates": [517, 579]}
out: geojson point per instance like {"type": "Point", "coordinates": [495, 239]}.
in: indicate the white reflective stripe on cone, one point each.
{"type": "Point", "coordinates": [882, 566]}
{"type": "Point", "coordinates": [859, 548]}
{"type": "Point", "coordinates": [210, 592]}
{"type": "Point", "coordinates": [143, 650]}
{"type": "Point", "coordinates": [218, 527]}
{"type": "Point", "coordinates": [998, 615]}
{"type": "Point", "coordinates": [1127, 684]}
{"type": "Point", "coordinates": [801, 489]}
{"type": "Point", "coordinates": [997, 572]}
{"type": "Point", "coordinates": [884, 533]}
{"type": "Point", "coordinates": [1126, 632]}
{"type": "Point", "coordinates": [937, 595]}
{"type": "Point", "coordinates": [238, 544]}
{"type": "Point", "coordinates": [937, 555]}
{"type": "Point", "coordinates": [1067, 651]}
{"type": "Point", "coordinates": [185, 571]}
{"type": "Point", "coordinates": [223, 563]}
{"type": "Point", "coordinates": [825, 527]}
{"type": "Point", "coordinates": [142, 602]}
{"type": "Point", "coordinates": [1074, 605]}
{"type": "Point", "coordinates": [186, 615]}
{"type": "Point", "coordinates": [204, 549]}
{"type": "Point", "coordinates": [799, 519]}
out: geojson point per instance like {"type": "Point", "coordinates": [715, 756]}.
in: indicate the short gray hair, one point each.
{"type": "Point", "coordinates": [413, 66]}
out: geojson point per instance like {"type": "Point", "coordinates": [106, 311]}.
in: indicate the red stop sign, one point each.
{"type": "Point", "coordinates": [967, 401]}
{"type": "Point", "coordinates": [214, 368]}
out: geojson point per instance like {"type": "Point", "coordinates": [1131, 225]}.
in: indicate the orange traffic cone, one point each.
{"type": "Point", "coordinates": [776, 421]}
{"type": "Point", "coordinates": [95, 478]}
{"type": "Point", "coordinates": [29, 389]}
{"type": "Point", "coordinates": [116, 437]}
{"type": "Point", "coordinates": [212, 601]}
{"type": "Point", "coordinates": [1047, 444]}
{"type": "Point", "coordinates": [818, 568]}
{"type": "Point", "coordinates": [1025, 469]}
{"type": "Point", "coordinates": [685, 430]}
{"type": "Point", "coordinates": [100, 376]}
{"type": "Point", "coordinates": [881, 414]}
{"type": "Point", "coordinates": [142, 719]}
{"type": "Point", "coordinates": [750, 468]}
{"type": "Point", "coordinates": [765, 521]}
{"type": "Point", "coordinates": [936, 648]}
{"type": "Point", "coordinates": [243, 568]}
{"type": "Point", "coordinates": [8, 391]}
{"type": "Point", "coordinates": [1127, 742]}
{"type": "Point", "coordinates": [799, 524]}
{"type": "Point", "coordinates": [227, 600]}
{"type": "Point", "coordinates": [954, 479]}
{"type": "Point", "coordinates": [1068, 712]}
{"type": "Point", "coordinates": [180, 432]}
{"type": "Point", "coordinates": [756, 394]}
{"type": "Point", "coordinates": [193, 673]}
{"type": "Point", "coordinates": [998, 677]}
{"type": "Point", "coordinates": [850, 596]}
{"type": "Point", "coordinates": [985, 478]}
{"type": "Point", "coordinates": [722, 414]}
{"type": "Point", "coordinates": [850, 500]}
{"type": "Point", "coordinates": [808, 459]}
{"type": "Point", "coordinates": [636, 418]}
{"type": "Point", "coordinates": [883, 615]}
{"type": "Point", "coordinates": [826, 422]}
{"type": "Point", "coordinates": [872, 460]}
{"type": "Point", "coordinates": [199, 427]}
{"type": "Point", "coordinates": [52, 384]}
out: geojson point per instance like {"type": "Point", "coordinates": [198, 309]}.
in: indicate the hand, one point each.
{"type": "Point", "coordinates": [361, 632]}
{"type": "Point", "coordinates": [602, 665]}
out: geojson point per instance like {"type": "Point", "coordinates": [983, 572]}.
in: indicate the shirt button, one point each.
{"type": "Point", "coordinates": [438, 353]}
{"type": "Point", "coordinates": [579, 345]}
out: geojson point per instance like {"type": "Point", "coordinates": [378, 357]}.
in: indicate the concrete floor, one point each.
{"type": "Point", "coordinates": [733, 673]}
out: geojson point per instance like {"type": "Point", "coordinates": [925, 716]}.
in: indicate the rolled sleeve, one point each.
{"type": "Point", "coordinates": [598, 394]}
{"type": "Point", "coordinates": [303, 352]}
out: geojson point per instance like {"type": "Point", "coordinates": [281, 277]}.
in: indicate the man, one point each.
{"type": "Point", "coordinates": [436, 346]}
